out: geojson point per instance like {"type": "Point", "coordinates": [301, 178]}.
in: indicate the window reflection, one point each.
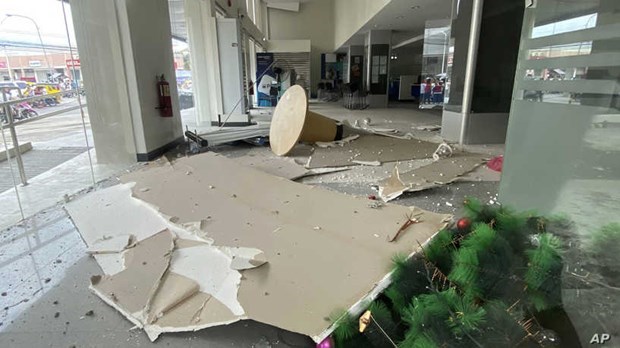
{"type": "Point", "coordinates": [565, 26]}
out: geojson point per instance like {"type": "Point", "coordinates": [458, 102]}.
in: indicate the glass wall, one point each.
{"type": "Point", "coordinates": [563, 147]}
{"type": "Point", "coordinates": [435, 55]}
{"type": "Point", "coordinates": [45, 120]}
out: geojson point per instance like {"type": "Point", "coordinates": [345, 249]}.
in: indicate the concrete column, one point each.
{"type": "Point", "coordinates": [124, 45]}
{"type": "Point", "coordinates": [377, 68]}
{"type": "Point", "coordinates": [498, 48]}
{"type": "Point", "coordinates": [205, 62]}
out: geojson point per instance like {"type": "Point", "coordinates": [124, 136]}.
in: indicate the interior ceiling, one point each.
{"type": "Point", "coordinates": [407, 16]}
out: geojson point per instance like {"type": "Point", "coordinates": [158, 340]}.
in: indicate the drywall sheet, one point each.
{"type": "Point", "coordinates": [111, 215]}
{"type": "Point", "coordinates": [441, 172]}
{"type": "Point", "coordinates": [283, 167]}
{"type": "Point", "coordinates": [325, 250]}
{"type": "Point", "coordinates": [165, 289]}
{"type": "Point", "coordinates": [159, 285]}
{"type": "Point", "coordinates": [371, 148]}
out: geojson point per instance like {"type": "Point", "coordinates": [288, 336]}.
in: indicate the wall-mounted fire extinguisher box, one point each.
{"type": "Point", "coordinates": [165, 101]}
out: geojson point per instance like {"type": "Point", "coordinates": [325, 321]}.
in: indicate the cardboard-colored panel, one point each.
{"type": "Point", "coordinates": [112, 245]}
{"type": "Point", "coordinates": [283, 167]}
{"type": "Point", "coordinates": [111, 213]}
{"type": "Point", "coordinates": [173, 290]}
{"type": "Point", "coordinates": [197, 312]}
{"type": "Point", "coordinates": [211, 269]}
{"type": "Point", "coordinates": [372, 148]}
{"type": "Point", "coordinates": [441, 172]}
{"type": "Point", "coordinates": [325, 250]}
{"type": "Point", "coordinates": [146, 264]}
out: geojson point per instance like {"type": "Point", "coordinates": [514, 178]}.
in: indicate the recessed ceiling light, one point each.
{"type": "Point", "coordinates": [415, 7]}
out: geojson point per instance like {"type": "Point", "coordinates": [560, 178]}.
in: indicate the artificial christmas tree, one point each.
{"type": "Point", "coordinates": [478, 283]}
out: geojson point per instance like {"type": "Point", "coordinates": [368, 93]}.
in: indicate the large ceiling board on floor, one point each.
{"type": "Point", "coordinates": [159, 294]}
{"type": "Point", "coordinates": [440, 172]}
{"type": "Point", "coordinates": [158, 285]}
{"type": "Point", "coordinates": [283, 167]}
{"type": "Point", "coordinates": [372, 148]}
{"type": "Point", "coordinates": [325, 250]}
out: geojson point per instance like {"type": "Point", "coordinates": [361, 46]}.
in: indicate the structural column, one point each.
{"type": "Point", "coordinates": [479, 98]}
{"type": "Point", "coordinates": [124, 45]}
{"type": "Point", "coordinates": [377, 67]}
{"type": "Point", "coordinates": [202, 37]}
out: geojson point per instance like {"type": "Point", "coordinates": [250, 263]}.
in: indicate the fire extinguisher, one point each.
{"type": "Point", "coordinates": [165, 101]}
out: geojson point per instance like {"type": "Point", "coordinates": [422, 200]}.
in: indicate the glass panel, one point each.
{"type": "Point", "coordinates": [563, 148]}
{"type": "Point", "coordinates": [48, 107]}
{"type": "Point", "coordinates": [434, 60]}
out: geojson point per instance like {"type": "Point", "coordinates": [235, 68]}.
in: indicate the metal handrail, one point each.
{"type": "Point", "coordinates": [6, 105]}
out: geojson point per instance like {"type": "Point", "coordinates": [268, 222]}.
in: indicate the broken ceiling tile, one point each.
{"type": "Point", "coordinates": [111, 245]}
{"type": "Point", "coordinates": [295, 247]}
{"type": "Point", "coordinates": [245, 258]}
{"type": "Point", "coordinates": [441, 172]}
{"type": "Point", "coordinates": [366, 145]}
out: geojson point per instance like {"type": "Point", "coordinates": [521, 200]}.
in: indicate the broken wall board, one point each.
{"type": "Point", "coordinates": [267, 162]}
{"type": "Point", "coordinates": [194, 270]}
{"type": "Point", "coordinates": [441, 172]}
{"type": "Point", "coordinates": [283, 167]}
{"type": "Point", "coordinates": [371, 148]}
{"type": "Point", "coordinates": [482, 173]}
{"type": "Point", "coordinates": [154, 297]}
{"type": "Point", "coordinates": [303, 232]}
{"type": "Point", "coordinates": [111, 214]}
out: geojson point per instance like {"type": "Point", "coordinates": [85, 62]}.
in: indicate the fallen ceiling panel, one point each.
{"type": "Point", "coordinates": [283, 167]}
{"type": "Point", "coordinates": [441, 172]}
{"type": "Point", "coordinates": [371, 149]}
{"type": "Point", "coordinates": [158, 276]}
{"type": "Point", "coordinates": [325, 250]}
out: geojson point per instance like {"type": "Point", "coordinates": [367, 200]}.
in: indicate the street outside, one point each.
{"type": "Point", "coordinates": [55, 139]}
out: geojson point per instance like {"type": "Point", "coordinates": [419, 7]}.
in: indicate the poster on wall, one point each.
{"type": "Point", "coordinates": [267, 83]}
{"type": "Point", "coordinates": [332, 66]}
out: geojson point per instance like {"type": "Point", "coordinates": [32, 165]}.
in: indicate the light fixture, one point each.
{"type": "Point", "coordinates": [416, 7]}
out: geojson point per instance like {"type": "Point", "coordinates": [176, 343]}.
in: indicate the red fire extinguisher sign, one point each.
{"type": "Point", "coordinates": [165, 101]}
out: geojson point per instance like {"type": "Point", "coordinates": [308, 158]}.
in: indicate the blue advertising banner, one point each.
{"type": "Point", "coordinates": [266, 79]}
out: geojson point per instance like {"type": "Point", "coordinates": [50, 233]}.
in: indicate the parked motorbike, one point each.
{"type": "Point", "coordinates": [24, 111]}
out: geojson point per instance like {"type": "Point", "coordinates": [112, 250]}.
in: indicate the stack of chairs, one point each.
{"type": "Point", "coordinates": [353, 97]}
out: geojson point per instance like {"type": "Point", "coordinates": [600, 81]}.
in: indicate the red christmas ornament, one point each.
{"type": "Point", "coordinates": [463, 223]}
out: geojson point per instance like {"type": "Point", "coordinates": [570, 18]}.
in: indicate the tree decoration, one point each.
{"type": "Point", "coordinates": [478, 283]}
{"type": "Point", "coordinates": [463, 224]}
{"type": "Point", "coordinates": [543, 274]}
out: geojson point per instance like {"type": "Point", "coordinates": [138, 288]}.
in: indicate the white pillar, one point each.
{"type": "Point", "coordinates": [205, 62]}
{"type": "Point", "coordinates": [123, 45]}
